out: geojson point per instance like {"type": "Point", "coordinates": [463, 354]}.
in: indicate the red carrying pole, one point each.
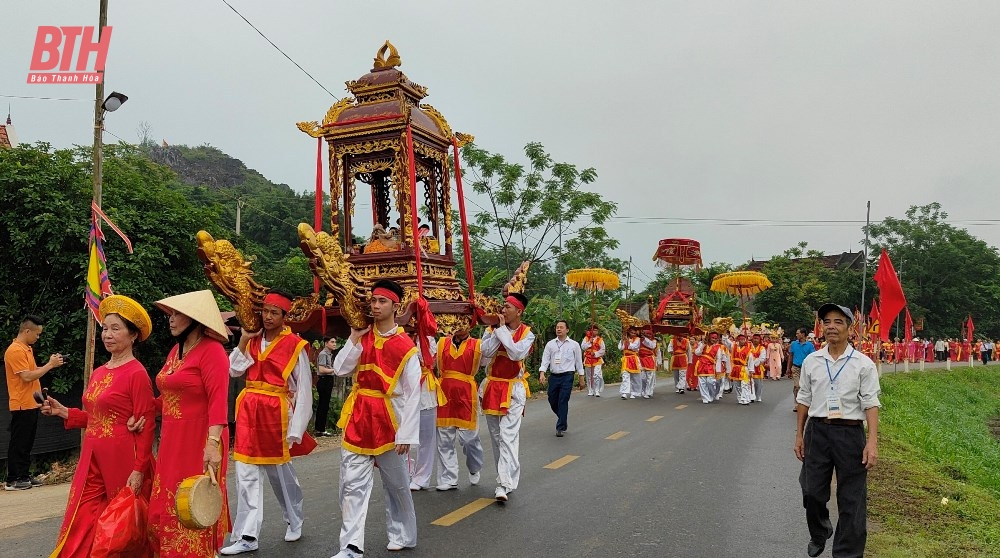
{"type": "Point", "coordinates": [318, 215]}
{"type": "Point", "coordinates": [413, 209]}
{"type": "Point", "coordinates": [466, 248]}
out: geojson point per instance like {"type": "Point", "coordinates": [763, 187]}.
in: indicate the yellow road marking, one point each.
{"type": "Point", "coordinates": [463, 512]}
{"type": "Point", "coordinates": [561, 461]}
{"type": "Point", "coordinates": [654, 418]}
{"type": "Point", "coordinates": [679, 407]}
{"type": "Point", "coordinates": [617, 435]}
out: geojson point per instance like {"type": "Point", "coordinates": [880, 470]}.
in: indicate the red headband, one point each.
{"type": "Point", "coordinates": [275, 299]}
{"type": "Point", "coordinates": [515, 302]}
{"type": "Point", "coordinates": [382, 291]}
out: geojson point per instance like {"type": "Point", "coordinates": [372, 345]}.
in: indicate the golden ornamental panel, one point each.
{"type": "Point", "coordinates": [337, 108]}
{"type": "Point", "coordinates": [365, 147]}
{"type": "Point", "coordinates": [438, 119]}
{"type": "Point", "coordinates": [372, 165]}
{"type": "Point", "coordinates": [380, 97]}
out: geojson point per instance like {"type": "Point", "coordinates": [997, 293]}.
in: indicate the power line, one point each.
{"type": "Point", "coordinates": [279, 49]}
{"type": "Point", "coordinates": [43, 98]}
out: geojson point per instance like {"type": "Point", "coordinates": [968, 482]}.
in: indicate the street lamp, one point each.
{"type": "Point", "coordinates": [110, 104]}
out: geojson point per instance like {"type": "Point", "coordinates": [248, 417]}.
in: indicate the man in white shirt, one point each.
{"type": "Point", "coordinates": [838, 393]}
{"type": "Point", "coordinates": [562, 357]}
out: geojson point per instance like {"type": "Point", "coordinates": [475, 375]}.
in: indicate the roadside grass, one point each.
{"type": "Point", "coordinates": [934, 443]}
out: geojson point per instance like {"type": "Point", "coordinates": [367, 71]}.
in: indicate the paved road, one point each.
{"type": "Point", "coordinates": [706, 481]}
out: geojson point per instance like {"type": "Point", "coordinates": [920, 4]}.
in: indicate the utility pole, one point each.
{"type": "Point", "coordinates": [628, 283]}
{"type": "Point", "coordinates": [864, 269]}
{"type": "Point", "coordinates": [239, 212]}
{"type": "Point", "coordinates": [98, 157]}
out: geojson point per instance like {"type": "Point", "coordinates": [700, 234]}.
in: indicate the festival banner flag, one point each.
{"type": "Point", "coordinates": [98, 282]}
{"type": "Point", "coordinates": [908, 326]}
{"type": "Point", "coordinates": [890, 292]}
{"type": "Point", "coordinates": [969, 328]}
{"type": "Point", "coordinates": [873, 321]}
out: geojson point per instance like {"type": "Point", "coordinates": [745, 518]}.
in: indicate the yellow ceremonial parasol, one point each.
{"type": "Point", "coordinates": [592, 280]}
{"type": "Point", "coordinates": [742, 284]}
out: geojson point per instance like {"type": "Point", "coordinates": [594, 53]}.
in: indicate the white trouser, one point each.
{"type": "Point", "coordinates": [505, 434]}
{"type": "Point", "coordinates": [648, 381]}
{"type": "Point", "coordinates": [631, 384]}
{"type": "Point", "coordinates": [726, 384]}
{"type": "Point", "coordinates": [708, 388]}
{"type": "Point", "coordinates": [422, 467]}
{"type": "Point", "coordinates": [680, 379]}
{"type": "Point", "coordinates": [250, 504]}
{"type": "Point", "coordinates": [472, 448]}
{"type": "Point", "coordinates": [742, 390]}
{"type": "Point", "coordinates": [356, 481]}
{"type": "Point", "coordinates": [595, 379]}
{"type": "Point", "coordinates": [758, 388]}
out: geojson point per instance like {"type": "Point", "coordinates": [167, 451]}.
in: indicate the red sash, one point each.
{"type": "Point", "coordinates": [678, 353]}
{"type": "Point", "coordinates": [647, 358]}
{"type": "Point", "coordinates": [741, 355]}
{"type": "Point", "coordinates": [630, 360]}
{"type": "Point", "coordinates": [501, 374]}
{"type": "Point", "coordinates": [262, 407]}
{"type": "Point", "coordinates": [458, 366]}
{"type": "Point", "coordinates": [589, 360]}
{"type": "Point", "coordinates": [706, 364]}
{"type": "Point", "coordinates": [758, 352]}
{"type": "Point", "coordinates": [367, 418]}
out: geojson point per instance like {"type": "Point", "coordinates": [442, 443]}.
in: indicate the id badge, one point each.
{"type": "Point", "coordinates": [833, 408]}
{"type": "Point", "coordinates": [557, 361]}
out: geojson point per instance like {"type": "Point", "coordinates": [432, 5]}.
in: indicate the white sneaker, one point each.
{"type": "Point", "coordinates": [347, 553]}
{"type": "Point", "coordinates": [591, 394]}
{"type": "Point", "coordinates": [645, 397]}
{"type": "Point", "coordinates": [632, 397]}
{"type": "Point", "coordinates": [415, 487]}
{"type": "Point", "coordinates": [624, 396]}
{"type": "Point", "coordinates": [474, 478]}
{"type": "Point", "coordinates": [293, 535]}
{"type": "Point", "coordinates": [239, 547]}
{"type": "Point", "coordinates": [395, 546]}
{"type": "Point", "coordinates": [444, 487]}
{"type": "Point", "coordinates": [758, 400]}
{"type": "Point", "coordinates": [597, 395]}
{"type": "Point", "coordinates": [500, 494]}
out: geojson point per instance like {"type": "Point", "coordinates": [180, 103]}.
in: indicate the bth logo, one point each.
{"type": "Point", "coordinates": [52, 64]}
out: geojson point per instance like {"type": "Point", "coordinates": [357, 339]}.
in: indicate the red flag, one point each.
{"type": "Point", "coordinates": [969, 328]}
{"type": "Point", "coordinates": [908, 328]}
{"type": "Point", "coordinates": [817, 329]}
{"type": "Point", "coordinates": [890, 292]}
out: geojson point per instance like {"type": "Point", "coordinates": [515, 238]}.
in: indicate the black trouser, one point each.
{"type": "Point", "coordinates": [560, 388]}
{"type": "Point", "coordinates": [23, 426]}
{"type": "Point", "coordinates": [324, 387]}
{"type": "Point", "coordinates": [985, 356]}
{"type": "Point", "coordinates": [829, 447]}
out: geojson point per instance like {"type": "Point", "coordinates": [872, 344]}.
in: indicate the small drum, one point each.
{"type": "Point", "coordinates": [199, 501]}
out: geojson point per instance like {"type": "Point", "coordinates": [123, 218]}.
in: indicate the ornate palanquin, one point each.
{"type": "Point", "coordinates": [367, 138]}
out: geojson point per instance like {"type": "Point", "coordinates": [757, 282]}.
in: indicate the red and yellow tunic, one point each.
{"type": "Point", "coordinates": [759, 352]}
{"type": "Point", "coordinates": [953, 350]}
{"type": "Point", "coordinates": [501, 375]}
{"type": "Point", "coordinates": [966, 351]}
{"type": "Point", "coordinates": [589, 359]}
{"type": "Point", "coordinates": [679, 353]}
{"type": "Point", "coordinates": [368, 419]}
{"type": "Point", "coordinates": [458, 366]}
{"type": "Point", "coordinates": [741, 355]}
{"type": "Point", "coordinates": [262, 407]}
{"type": "Point", "coordinates": [706, 364]}
{"type": "Point", "coordinates": [630, 359]}
{"type": "Point", "coordinates": [647, 358]}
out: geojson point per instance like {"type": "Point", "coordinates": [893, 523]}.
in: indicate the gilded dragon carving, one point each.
{"type": "Point", "coordinates": [331, 265]}
{"type": "Point", "coordinates": [230, 273]}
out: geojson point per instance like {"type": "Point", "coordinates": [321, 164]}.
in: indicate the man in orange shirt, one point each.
{"type": "Point", "coordinates": [22, 383]}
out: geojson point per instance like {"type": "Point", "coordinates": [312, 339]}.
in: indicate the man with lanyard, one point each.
{"type": "Point", "coordinates": [593, 360]}
{"type": "Point", "coordinates": [839, 393]}
{"type": "Point", "coordinates": [380, 420]}
{"type": "Point", "coordinates": [458, 359]}
{"type": "Point", "coordinates": [277, 399]}
{"type": "Point", "coordinates": [797, 352]}
{"type": "Point", "coordinates": [709, 365]}
{"type": "Point", "coordinates": [504, 390]}
{"type": "Point", "coordinates": [562, 357]}
{"type": "Point", "coordinates": [679, 349]}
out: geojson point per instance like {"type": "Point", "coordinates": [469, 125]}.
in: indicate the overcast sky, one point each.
{"type": "Point", "coordinates": [687, 109]}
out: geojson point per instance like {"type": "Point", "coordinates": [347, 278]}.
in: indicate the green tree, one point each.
{"type": "Point", "coordinates": [946, 273]}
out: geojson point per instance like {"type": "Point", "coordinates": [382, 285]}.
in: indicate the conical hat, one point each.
{"type": "Point", "coordinates": [201, 307]}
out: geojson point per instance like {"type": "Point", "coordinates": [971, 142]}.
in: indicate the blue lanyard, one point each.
{"type": "Point", "coordinates": [830, 375]}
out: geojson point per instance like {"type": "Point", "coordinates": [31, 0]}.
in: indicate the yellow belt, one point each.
{"type": "Point", "coordinates": [433, 385]}
{"type": "Point", "coordinates": [266, 388]}
{"type": "Point", "coordinates": [348, 408]}
{"type": "Point", "coordinates": [527, 389]}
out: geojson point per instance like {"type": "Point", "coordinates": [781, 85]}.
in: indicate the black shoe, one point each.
{"type": "Point", "coordinates": [816, 548]}
{"type": "Point", "coordinates": [35, 482]}
{"type": "Point", "coordinates": [559, 433]}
